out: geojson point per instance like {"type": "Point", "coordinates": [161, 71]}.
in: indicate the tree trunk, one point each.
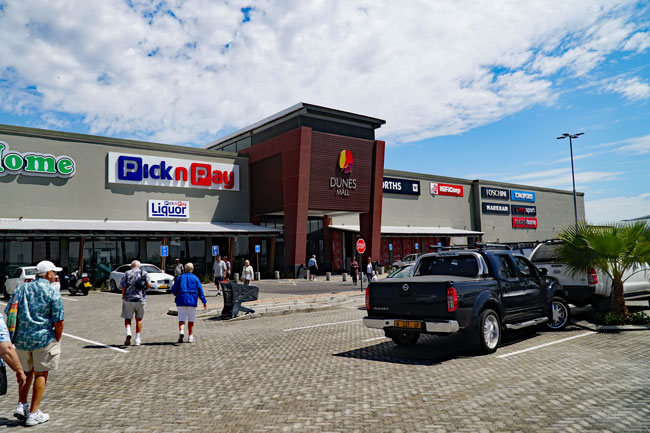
{"type": "Point", "coordinates": [618, 305]}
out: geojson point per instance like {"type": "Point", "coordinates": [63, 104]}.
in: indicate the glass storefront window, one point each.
{"type": "Point", "coordinates": [20, 253]}
{"type": "Point", "coordinates": [127, 251]}
{"type": "Point", "coordinates": [47, 249]}
{"type": "Point", "coordinates": [153, 252]}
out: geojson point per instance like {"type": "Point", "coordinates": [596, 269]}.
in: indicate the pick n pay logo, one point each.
{"type": "Point", "coordinates": [345, 161]}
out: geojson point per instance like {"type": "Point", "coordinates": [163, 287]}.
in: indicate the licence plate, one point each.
{"type": "Point", "coordinates": [86, 284]}
{"type": "Point", "coordinates": [162, 286]}
{"type": "Point", "coordinates": [411, 324]}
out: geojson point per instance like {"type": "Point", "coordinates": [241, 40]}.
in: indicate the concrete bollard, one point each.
{"type": "Point", "coordinates": [307, 274]}
{"type": "Point", "coordinates": [257, 276]}
{"type": "Point", "coordinates": [380, 270]}
{"type": "Point", "coordinates": [236, 276]}
{"type": "Point", "coordinates": [276, 274]}
{"type": "Point", "coordinates": [345, 276]}
{"type": "Point", "coordinates": [328, 276]}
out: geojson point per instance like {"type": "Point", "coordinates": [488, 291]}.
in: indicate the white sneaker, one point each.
{"type": "Point", "coordinates": [38, 417]}
{"type": "Point", "coordinates": [22, 411]}
{"type": "Point", "coordinates": [138, 341]}
{"type": "Point", "coordinates": [191, 339]}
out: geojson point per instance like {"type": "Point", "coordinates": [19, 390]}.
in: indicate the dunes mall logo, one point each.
{"type": "Point", "coordinates": [342, 183]}
{"type": "Point", "coordinates": [345, 161]}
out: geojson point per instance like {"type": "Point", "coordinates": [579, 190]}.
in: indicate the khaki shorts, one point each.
{"type": "Point", "coordinates": [129, 308]}
{"type": "Point", "coordinates": [43, 359]}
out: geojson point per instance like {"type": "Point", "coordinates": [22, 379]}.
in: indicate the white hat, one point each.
{"type": "Point", "coordinates": [45, 266]}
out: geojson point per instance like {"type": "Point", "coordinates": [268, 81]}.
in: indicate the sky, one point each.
{"type": "Point", "coordinates": [468, 88]}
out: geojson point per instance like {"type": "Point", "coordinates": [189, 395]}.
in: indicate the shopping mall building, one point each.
{"type": "Point", "coordinates": [307, 180]}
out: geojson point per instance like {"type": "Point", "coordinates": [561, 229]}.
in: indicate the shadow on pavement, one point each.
{"type": "Point", "coordinates": [11, 422]}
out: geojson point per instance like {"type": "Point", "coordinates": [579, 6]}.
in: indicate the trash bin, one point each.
{"type": "Point", "coordinates": [233, 296]}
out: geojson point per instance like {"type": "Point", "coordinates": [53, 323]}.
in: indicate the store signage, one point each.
{"type": "Point", "coordinates": [524, 223]}
{"type": "Point", "coordinates": [494, 193]}
{"type": "Point", "coordinates": [497, 208]}
{"type": "Point", "coordinates": [401, 186]}
{"type": "Point", "coordinates": [522, 195]}
{"type": "Point", "coordinates": [343, 183]}
{"type": "Point", "coordinates": [169, 209]}
{"type": "Point", "coordinates": [518, 209]}
{"type": "Point", "coordinates": [34, 164]}
{"type": "Point", "coordinates": [446, 189]}
{"type": "Point", "coordinates": [171, 172]}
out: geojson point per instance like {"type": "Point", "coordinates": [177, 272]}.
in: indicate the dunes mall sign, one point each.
{"type": "Point", "coordinates": [34, 163]}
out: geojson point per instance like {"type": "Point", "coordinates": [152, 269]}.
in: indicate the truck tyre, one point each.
{"type": "Point", "coordinates": [489, 331]}
{"type": "Point", "coordinates": [559, 315]}
{"type": "Point", "coordinates": [404, 338]}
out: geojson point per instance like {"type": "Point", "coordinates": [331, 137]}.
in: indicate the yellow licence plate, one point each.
{"type": "Point", "coordinates": [408, 324]}
{"type": "Point", "coordinates": [86, 284]}
{"type": "Point", "coordinates": [163, 286]}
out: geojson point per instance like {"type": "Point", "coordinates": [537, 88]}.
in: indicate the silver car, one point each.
{"type": "Point", "coordinates": [407, 260]}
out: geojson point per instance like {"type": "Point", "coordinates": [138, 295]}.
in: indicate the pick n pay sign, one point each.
{"type": "Point", "coordinates": [171, 172]}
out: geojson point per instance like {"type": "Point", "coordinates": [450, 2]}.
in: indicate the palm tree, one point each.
{"type": "Point", "coordinates": [613, 249]}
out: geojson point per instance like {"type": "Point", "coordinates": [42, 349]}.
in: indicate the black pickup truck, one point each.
{"type": "Point", "coordinates": [479, 292]}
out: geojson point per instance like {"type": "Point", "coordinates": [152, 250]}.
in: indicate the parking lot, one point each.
{"type": "Point", "coordinates": [326, 372]}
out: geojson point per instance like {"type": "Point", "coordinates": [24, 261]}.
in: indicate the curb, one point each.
{"type": "Point", "coordinates": [610, 328]}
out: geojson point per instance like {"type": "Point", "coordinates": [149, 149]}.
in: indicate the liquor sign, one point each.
{"type": "Point", "coordinates": [518, 209]}
{"type": "Point", "coordinates": [34, 164]}
{"type": "Point", "coordinates": [169, 209]}
{"type": "Point", "coordinates": [171, 172]}
{"type": "Point", "coordinates": [401, 186]}
{"type": "Point", "coordinates": [522, 195]}
{"type": "Point", "coordinates": [524, 223]}
{"type": "Point", "coordinates": [495, 193]}
{"type": "Point", "coordinates": [497, 208]}
{"type": "Point", "coordinates": [446, 189]}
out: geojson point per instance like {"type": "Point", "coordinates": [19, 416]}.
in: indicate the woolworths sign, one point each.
{"type": "Point", "coordinates": [34, 164]}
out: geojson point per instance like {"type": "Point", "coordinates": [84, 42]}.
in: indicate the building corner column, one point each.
{"type": "Point", "coordinates": [370, 223]}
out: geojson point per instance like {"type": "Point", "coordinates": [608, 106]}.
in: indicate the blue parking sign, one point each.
{"type": "Point", "coordinates": [416, 246]}
{"type": "Point", "coordinates": [390, 247]}
{"type": "Point", "coordinates": [215, 250]}
{"type": "Point", "coordinates": [164, 251]}
{"type": "Point", "coordinates": [257, 248]}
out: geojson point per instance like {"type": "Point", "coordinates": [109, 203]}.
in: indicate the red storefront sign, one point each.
{"type": "Point", "coordinates": [524, 223]}
{"type": "Point", "coordinates": [446, 189]}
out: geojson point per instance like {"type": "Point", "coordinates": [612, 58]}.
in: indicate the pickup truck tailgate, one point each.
{"type": "Point", "coordinates": [406, 297]}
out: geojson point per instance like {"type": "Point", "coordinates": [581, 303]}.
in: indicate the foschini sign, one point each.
{"type": "Point", "coordinates": [34, 164]}
{"type": "Point", "coordinates": [343, 182]}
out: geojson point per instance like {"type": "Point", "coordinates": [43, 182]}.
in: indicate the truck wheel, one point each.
{"type": "Point", "coordinates": [489, 331]}
{"type": "Point", "coordinates": [559, 315]}
{"type": "Point", "coordinates": [403, 338]}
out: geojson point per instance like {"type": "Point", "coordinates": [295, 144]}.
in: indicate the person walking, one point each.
{"type": "Point", "coordinates": [178, 268]}
{"type": "Point", "coordinates": [10, 357]}
{"type": "Point", "coordinates": [39, 327]}
{"type": "Point", "coordinates": [369, 270]}
{"type": "Point", "coordinates": [313, 267]}
{"type": "Point", "coordinates": [187, 290]}
{"type": "Point", "coordinates": [247, 273]}
{"type": "Point", "coordinates": [355, 270]}
{"type": "Point", "coordinates": [218, 273]}
{"type": "Point", "coordinates": [228, 268]}
{"type": "Point", "coordinates": [134, 284]}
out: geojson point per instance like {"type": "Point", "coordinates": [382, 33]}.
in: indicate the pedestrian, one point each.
{"type": "Point", "coordinates": [187, 290]}
{"type": "Point", "coordinates": [355, 270]}
{"type": "Point", "coordinates": [247, 273]}
{"type": "Point", "coordinates": [134, 284]}
{"type": "Point", "coordinates": [313, 267]}
{"type": "Point", "coordinates": [369, 270]}
{"type": "Point", "coordinates": [228, 268]}
{"type": "Point", "coordinates": [219, 273]}
{"type": "Point", "coordinates": [178, 268]}
{"type": "Point", "coordinates": [10, 357]}
{"type": "Point", "coordinates": [39, 327]}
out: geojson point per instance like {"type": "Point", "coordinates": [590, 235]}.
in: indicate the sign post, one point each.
{"type": "Point", "coordinates": [361, 248]}
{"type": "Point", "coordinates": [257, 252]}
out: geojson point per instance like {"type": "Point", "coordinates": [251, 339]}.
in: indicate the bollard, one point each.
{"type": "Point", "coordinates": [380, 270]}
{"type": "Point", "coordinates": [236, 276]}
{"type": "Point", "coordinates": [345, 276]}
{"type": "Point", "coordinates": [328, 276]}
{"type": "Point", "coordinates": [277, 275]}
{"type": "Point", "coordinates": [257, 276]}
{"type": "Point", "coordinates": [307, 274]}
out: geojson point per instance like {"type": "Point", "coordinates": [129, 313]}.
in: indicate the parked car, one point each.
{"type": "Point", "coordinates": [23, 274]}
{"type": "Point", "coordinates": [402, 272]}
{"type": "Point", "coordinates": [593, 287]}
{"type": "Point", "coordinates": [477, 292]}
{"type": "Point", "coordinates": [159, 279]}
{"type": "Point", "coordinates": [407, 260]}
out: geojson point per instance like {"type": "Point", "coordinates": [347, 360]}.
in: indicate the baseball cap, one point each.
{"type": "Point", "coordinates": [45, 266]}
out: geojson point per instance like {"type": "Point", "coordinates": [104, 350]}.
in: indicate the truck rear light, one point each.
{"type": "Point", "coordinates": [28, 280]}
{"type": "Point", "coordinates": [592, 277]}
{"type": "Point", "coordinates": [368, 298]}
{"type": "Point", "coordinates": [452, 299]}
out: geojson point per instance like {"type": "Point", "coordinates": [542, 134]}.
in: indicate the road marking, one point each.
{"type": "Point", "coordinates": [546, 344]}
{"type": "Point", "coordinates": [96, 342]}
{"type": "Point", "coordinates": [322, 324]}
{"type": "Point", "coordinates": [373, 339]}
{"type": "Point", "coordinates": [69, 299]}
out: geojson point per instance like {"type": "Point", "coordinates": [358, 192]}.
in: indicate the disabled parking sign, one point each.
{"type": "Point", "coordinates": [215, 250]}
{"type": "Point", "coordinates": [164, 251]}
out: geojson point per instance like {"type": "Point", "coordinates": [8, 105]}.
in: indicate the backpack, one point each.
{"type": "Point", "coordinates": [140, 283]}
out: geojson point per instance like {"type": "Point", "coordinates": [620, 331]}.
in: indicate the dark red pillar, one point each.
{"type": "Point", "coordinates": [370, 223]}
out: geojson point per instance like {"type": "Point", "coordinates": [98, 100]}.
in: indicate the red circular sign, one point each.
{"type": "Point", "coordinates": [361, 246]}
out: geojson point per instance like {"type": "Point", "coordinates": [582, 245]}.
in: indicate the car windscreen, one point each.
{"type": "Point", "coordinates": [459, 266]}
{"type": "Point", "coordinates": [30, 271]}
{"type": "Point", "coordinates": [545, 253]}
{"type": "Point", "coordinates": [151, 269]}
{"type": "Point", "coordinates": [402, 273]}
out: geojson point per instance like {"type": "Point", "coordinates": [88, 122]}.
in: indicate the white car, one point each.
{"type": "Point", "coordinates": [159, 279]}
{"type": "Point", "coordinates": [21, 275]}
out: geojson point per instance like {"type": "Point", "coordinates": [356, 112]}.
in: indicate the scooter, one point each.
{"type": "Point", "coordinates": [79, 284]}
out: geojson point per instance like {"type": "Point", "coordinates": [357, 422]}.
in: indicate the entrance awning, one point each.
{"type": "Point", "coordinates": [412, 230]}
{"type": "Point", "coordinates": [28, 225]}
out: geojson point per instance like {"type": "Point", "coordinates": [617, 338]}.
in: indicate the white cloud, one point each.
{"type": "Point", "coordinates": [187, 71]}
{"type": "Point", "coordinates": [631, 88]}
{"type": "Point", "coordinates": [561, 178]}
{"type": "Point", "coordinates": [635, 146]}
{"type": "Point", "coordinates": [617, 208]}
{"type": "Point", "coordinates": [639, 42]}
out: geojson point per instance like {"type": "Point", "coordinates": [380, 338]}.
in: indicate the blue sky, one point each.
{"type": "Point", "coordinates": [469, 88]}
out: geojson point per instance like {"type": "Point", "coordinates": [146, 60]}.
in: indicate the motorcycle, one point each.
{"type": "Point", "coordinates": [79, 284]}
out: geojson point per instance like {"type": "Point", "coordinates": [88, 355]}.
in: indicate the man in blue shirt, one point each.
{"type": "Point", "coordinates": [38, 331]}
{"type": "Point", "coordinates": [187, 290]}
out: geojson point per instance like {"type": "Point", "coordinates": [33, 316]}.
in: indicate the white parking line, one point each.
{"type": "Point", "coordinates": [69, 299]}
{"type": "Point", "coordinates": [546, 344]}
{"type": "Point", "coordinates": [96, 342]}
{"type": "Point", "coordinates": [322, 324]}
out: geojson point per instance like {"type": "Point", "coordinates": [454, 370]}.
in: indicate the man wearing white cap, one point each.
{"type": "Point", "coordinates": [39, 327]}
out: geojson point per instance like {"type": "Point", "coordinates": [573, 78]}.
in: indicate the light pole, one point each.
{"type": "Point", "coordinates": [573, 175]}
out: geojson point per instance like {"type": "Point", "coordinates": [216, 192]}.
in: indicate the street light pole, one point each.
{"type": "Point", "coordinates": [573, 176]}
